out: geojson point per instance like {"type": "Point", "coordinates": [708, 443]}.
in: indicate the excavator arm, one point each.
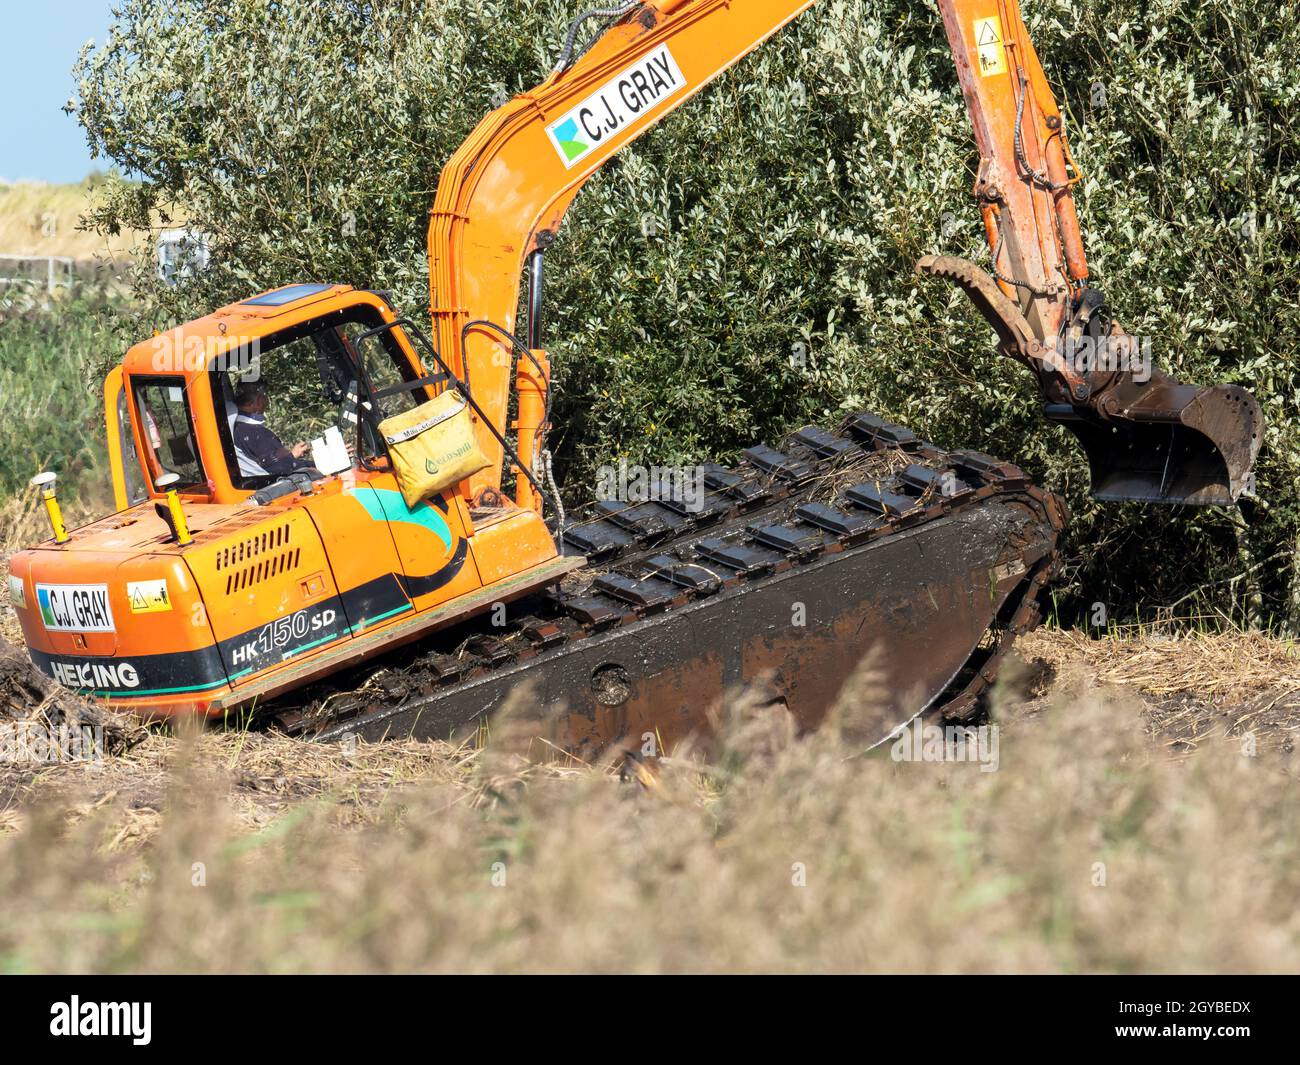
{"type": "Point", "coordinates": [504, 194]}
{"type": "Point", "coordinates": [1147, 437]}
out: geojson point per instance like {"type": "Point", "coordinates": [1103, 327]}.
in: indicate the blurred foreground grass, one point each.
{"type": "Point", "coordinates": [1100, 844]}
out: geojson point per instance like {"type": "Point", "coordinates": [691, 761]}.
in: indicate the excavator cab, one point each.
{"type": "Point", "coordinates": [261, 537]}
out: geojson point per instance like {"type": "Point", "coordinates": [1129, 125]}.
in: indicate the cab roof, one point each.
{"type": "Point", "coordinates": [177, 350]}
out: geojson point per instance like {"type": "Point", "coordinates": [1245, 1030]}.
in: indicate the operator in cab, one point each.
{"type": "Point", "coordinates": [259, 449]}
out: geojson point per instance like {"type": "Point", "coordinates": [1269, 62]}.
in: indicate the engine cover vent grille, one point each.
{"type": "Point", "coordinates": [258, 558]}
{"type": "Point", "coordinates": [271, 566]}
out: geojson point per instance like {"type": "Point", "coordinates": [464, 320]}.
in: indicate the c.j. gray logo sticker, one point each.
{"type": "Point", "coordinates": [629, 95]}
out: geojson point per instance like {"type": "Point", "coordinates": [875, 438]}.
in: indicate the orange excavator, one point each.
{"type": "Point", "coordinates": [285, 516]}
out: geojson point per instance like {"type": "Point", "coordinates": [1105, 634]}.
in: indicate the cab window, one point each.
{"type": "Point", "coordinates": [277, 404]}
{"type": "Point", "coordinates": [386, 372]}
{"type": "Point", "coordinates": [167, 431]}
{"type": "Point", "coordinates": [136, 491]}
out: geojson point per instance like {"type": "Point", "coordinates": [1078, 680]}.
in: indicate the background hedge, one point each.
{"type": "Point", "coordinates": [777, 215]}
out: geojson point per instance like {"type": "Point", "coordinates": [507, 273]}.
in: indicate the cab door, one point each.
{"type": "Point", "coordinates": [362, 554]}
{"type": "Point", "coordinates": [431, 538]}
{"type": "Point", "coordinates": [123, 459]}
{"type": "Point", "coordinates": [432, 548]}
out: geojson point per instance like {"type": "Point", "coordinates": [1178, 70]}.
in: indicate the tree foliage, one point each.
{"type": "Point", "coordinates": [747, 266]}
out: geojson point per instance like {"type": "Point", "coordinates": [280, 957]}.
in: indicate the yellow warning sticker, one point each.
{"type": "Point", "coordinates": [148, 597]}
{"type": "Point", "coordinates": [989, 46]}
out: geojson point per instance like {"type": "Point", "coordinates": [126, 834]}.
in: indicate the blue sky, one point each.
{"type": "Point", "coordinates": [38, 45]}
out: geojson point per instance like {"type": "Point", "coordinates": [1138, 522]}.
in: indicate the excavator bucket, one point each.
{"type": "Point", "coordinates": [1166, 442]}
{"type": "Point", "coordinates": [1148, 437]}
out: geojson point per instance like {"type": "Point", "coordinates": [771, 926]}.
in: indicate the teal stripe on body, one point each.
{"type": "Point", "coordinates": [383, 504]}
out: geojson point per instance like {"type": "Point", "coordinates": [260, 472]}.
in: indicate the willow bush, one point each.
{"type": "Point", "coordinates": [747, 267]}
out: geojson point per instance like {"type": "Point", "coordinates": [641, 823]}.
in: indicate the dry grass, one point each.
{"type": "Point", "coordinates": [41, 219]}
{"type": "Point", "coordinates": [23, 521]}
{"type": "Point", "coordinates": [1196, 686]}
{"type": "Point", "coordinates": [1228, 665]}
{"type": "Point", "coordinates": [426, 857]}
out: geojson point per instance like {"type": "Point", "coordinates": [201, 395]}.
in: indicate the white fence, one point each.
{"type": "Point", "coordinates": [181, 253]}
{"type": "Point", "coordinates": [38, 271]}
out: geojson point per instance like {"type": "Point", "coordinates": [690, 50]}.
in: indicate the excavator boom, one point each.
{"type": "Point", "coordinates": [504, 194]}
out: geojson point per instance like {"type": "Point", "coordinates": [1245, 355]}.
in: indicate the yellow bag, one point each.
{"type": "Point", "coordinates": [432, 446]}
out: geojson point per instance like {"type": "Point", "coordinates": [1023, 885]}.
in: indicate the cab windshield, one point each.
{"type": "Point", "coordinates": [168, 431]}
{"type": "Point", "coordinates": [309, 399]}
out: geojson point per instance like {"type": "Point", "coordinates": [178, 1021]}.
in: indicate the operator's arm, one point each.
{"type": "Point", "coordinates": [266, 449]}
